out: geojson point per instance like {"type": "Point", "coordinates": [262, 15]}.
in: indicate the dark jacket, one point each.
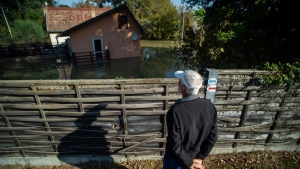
{"type": "Point", "coordinates": [192, 129]}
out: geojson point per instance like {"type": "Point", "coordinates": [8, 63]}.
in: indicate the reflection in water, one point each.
{"type": "Point", "coordinates": [154, 63]}
{"type": "Point", "coordinates": [29, 69]}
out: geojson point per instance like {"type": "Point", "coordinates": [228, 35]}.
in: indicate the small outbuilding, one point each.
{"type": "Point", "coordinates": [59, 19]}
{"type": "Point", "coordinates": [116, 31]}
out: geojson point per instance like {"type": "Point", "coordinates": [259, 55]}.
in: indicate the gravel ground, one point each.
{"type": "Point", "coordinates": [244, 160]}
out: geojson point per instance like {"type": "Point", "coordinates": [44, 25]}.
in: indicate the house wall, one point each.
{"type": "Point", "coordinates": [119, 41]}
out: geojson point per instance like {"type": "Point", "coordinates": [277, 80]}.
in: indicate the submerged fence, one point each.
{"type": "Point", "coordinates": [127, 117]}
{"type": "Point", "coordinates": [93, 56]}
{"type": "Point", "coordinates": [25, 50]}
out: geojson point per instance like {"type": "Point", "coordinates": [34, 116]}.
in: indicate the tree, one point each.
{"type": "Point", "coordinates": [245, 34]}
{"type": "Point", "coordinates": [115, 3]}
{"type": "Point", "coordinates": [83, 4]}
{"type": "Point", "coordinates": [28, 32]}
{"type": "Point", "coordinates": [158, 17]}
{"type": "Point", "coordinates": [62, 5]}
{"type": "Point", "coordinates": [22, 10]}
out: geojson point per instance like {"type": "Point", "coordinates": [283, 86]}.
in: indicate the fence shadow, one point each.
{"type": "Point", "coordinates": [88, 146]}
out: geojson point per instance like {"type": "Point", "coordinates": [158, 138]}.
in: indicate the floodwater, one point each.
{"type": "Point", "coordinates": [155, 62]}
{"type": "Point", "coordinates": [34, 68]}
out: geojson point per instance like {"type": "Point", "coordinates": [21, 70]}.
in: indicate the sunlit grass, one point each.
{"type": "Point", "coordinates": [157, 43]}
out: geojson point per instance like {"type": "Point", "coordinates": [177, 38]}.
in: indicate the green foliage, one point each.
{"type": "Point", "coordinates": [114, 3]}
{"type": "Point", "coordinates": [242, 34]}
{"type": "Point", "coordinates": [224, 36]}
{"type": "Point", "coordinates": [83, 4]}
{"type": "Point", "coordinates": [282, 73]}
{"type": "Point", "coordinates": [62, 5]}
{"type": "Point", "coordinates": [28, 32]}
{"type": "Point", "coordinates": [119, 78]}
{"type": "Point", "coordinates": [36, 15]}
{"type": "Point", "coordinates": [22, 10]}
{"type": "Point", "coordinates": [159, 18]}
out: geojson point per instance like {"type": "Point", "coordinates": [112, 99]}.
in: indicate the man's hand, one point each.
{"type": "Point", "coordinates": [197, 164]}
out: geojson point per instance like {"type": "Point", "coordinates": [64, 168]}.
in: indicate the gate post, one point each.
{"type": "Point", "coordinates": [211, 84]}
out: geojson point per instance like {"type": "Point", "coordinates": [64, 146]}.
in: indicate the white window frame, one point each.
{"type": "Point", "coordinates": [94, 46]}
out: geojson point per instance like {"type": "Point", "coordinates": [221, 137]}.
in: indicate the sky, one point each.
{"type": "Point", "coordinates": [69, 2]}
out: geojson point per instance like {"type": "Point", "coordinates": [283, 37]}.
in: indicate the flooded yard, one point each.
{"type": "Point", "coordinates": [34, 68]}
{"type": "Point", "coordinates": [155, 62]}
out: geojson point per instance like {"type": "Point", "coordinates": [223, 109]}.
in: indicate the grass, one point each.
{"type": "Point", "coordinates": [243, 160]}
{"type": "Point", "coordinates": [157, 43]}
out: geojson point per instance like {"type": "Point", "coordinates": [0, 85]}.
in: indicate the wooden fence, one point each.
{"type": "Point", "coordinates": [25, 50]}
{"type": "Point", "coordinates": [93, 56]}
{"type": "Point", "coordinates": [127, 117]}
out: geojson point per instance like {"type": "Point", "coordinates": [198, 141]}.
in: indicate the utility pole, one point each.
{"type": "Point", "coordinates": [182, 29]}
{"type": "Point", "coordinates": [12, 39]}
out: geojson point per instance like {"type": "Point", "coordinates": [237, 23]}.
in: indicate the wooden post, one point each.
{"type": "Point", "coordinates": [245, 110]}
{"type": "Point", "coordinates": [108, 56]}
{"type": "Point", "coordinates": [278, 115]}
{"type": "Point", "coordinates": [74, 56]}
{"type": "Point", "coordinates": [91, 57]}
{"type": "Point", "coordinates": [52, 48]}
{"type": "Point", "coordinates": [166, 107]}
{"type": "Point", "coordinates": [12, 133]}
{"type": "Point", "coordinates": [124, 115]}
{"type": "Point", "coordinates": [42, 113]}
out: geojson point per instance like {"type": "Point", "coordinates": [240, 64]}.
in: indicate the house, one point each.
{"type": "Point", "coordinates": [59, 19]}
{"type": "Point", "coordinates": [116, 30]}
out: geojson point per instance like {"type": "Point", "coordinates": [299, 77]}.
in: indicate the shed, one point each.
{"type": "Point", "coordinates": [59, 19]}
{"type": "Point", "coordinates": [116, 30]}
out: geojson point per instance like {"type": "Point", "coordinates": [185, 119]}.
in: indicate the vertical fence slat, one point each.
{"type": "Point", "coordinates": [42, 113]}
{"type": "Point", "coordinates": [78, 95]}
{"type": "Point", "coordinates": [91, 57]}
{"type": "Point", "coordinates": [245, 111]}
{"type": "Point", "coordinates": [166, 107]}
{"type": "Point", "coordinates": [81, 108]}
{"type": "Point", "coordinates": [278, 115]}
{"type": "Point", "coordinates": [124, 115]}
{"type": "Point", "coordinates": [12, 133]}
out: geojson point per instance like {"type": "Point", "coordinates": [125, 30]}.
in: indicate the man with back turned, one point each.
{"type": "Point", "coordinates": [192, 125]}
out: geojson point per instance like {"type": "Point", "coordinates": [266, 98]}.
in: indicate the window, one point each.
{"type": "Point", "coordinates": [122, 22]}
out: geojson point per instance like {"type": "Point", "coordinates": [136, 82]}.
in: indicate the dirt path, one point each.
{"type": "Point", "coordinates": [244, 160]}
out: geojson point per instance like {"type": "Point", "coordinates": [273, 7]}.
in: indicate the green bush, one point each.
{"type": "Point", "coordinates": [28, 32]}
{"type": "Point", "coordinates": [282, 73]}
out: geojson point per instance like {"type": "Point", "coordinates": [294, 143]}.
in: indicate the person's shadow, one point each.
{"type": "Point", "coordinates": [91, 140]}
